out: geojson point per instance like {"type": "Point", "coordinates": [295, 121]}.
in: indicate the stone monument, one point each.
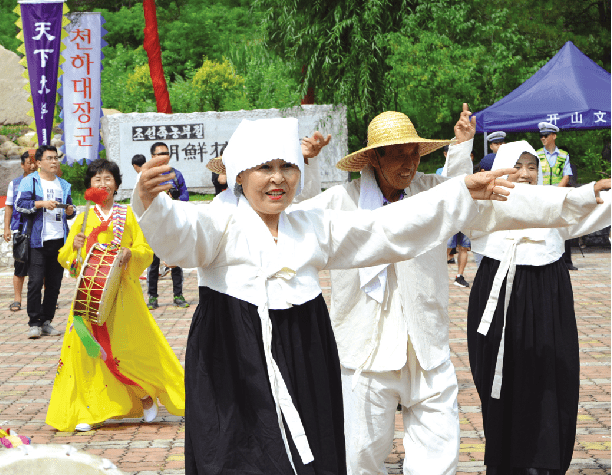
{"type": "Point", "coordinates": [14, 105]}
{"type": "Point", "coordinates": [195, 138]}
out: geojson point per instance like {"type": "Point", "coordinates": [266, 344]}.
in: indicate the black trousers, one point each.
{"type": "Point", "coordinates": [153, 277]}
{"type": "Point", "coordinates": [44, 268]}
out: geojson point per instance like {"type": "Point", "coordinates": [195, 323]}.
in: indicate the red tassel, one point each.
{"type": "Point", "coordinates": [153, 49]}
{"type": "Point", "coordinates": [97, 195]}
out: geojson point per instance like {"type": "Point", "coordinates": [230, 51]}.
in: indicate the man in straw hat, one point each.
{"type": "Point", "coordinates": [391, 322]}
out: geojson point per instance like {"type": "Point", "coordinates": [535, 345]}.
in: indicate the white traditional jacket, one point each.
{"type": "Point", "coordinates": [232, 246]}
{"type": "Point", "coordinates": [374, 336]}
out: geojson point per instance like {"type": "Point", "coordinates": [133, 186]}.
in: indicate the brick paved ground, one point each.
{"type": "Point", "coordinates": [27, 368]}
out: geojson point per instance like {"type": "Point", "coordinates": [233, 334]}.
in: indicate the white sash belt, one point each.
{"type": "Point", "coordinates": [280, 393]}
{"type": "Point", "coordinates": [506, 267]}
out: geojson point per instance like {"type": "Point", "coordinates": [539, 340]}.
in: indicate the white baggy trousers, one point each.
{"type": "Point", "coordinates": [430, 415]}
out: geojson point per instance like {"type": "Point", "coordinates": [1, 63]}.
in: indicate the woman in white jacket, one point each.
{"type": "Point", "coordinates": [522, 335]}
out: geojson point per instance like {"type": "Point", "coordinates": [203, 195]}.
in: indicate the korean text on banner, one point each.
{"type": "Point", "coordinates": [42, 37]}
{"type": "Point", "coordinates": [81, 101]}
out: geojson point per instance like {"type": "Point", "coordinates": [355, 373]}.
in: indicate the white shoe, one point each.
{"type": "Point", "coordinates": [34, 333]}
{"type": "Point", "coordinates": [82, 427]}
{"type": "Point", "coordinates": [151, 413]}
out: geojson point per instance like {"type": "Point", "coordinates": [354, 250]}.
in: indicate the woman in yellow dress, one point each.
{"type": "Point", "coordinates": [136, 365]}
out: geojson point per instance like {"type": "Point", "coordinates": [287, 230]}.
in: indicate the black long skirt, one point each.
{"type": "Point", "coordinates": [533, 424]}
{"type": "Point", "coordinates": [230, 416]}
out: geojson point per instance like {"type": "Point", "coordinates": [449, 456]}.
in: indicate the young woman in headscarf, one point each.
{"type": "Point", "coordinates": [522, 334]}
{"type": "Point", "coordinates": [263, 387]}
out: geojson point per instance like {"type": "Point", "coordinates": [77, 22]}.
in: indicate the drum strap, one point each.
{"type": "Point", "coordinates": [119, 215]}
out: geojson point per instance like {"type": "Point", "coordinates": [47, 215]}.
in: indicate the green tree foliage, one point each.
{"type": "Point", "coordinates": [269, 81]}
{"type": "Point", "coordinates": [217, 31]}
{"type": "Point", "coordinates": [75, 175]}
{"type": "Point", "coordinates": [341, 46]}
{"type": "Point", "coordinates": [427, 58]}
{"type": "Point", "coordinates": [139, 89]}
{"type": "Point", "coordinates": [446, 54]}
{"type": "Point", "coordinates": [92, 5]}
{"type": "Point", "coordinates": [125, 26]}
{"type": "Point", "coordinates": [202, 30]}
{"type": "Point", "coordinates": [119, 64]}
{"type": "Point", "coordinates": [548, 24]}
{"type": "Point", "coordinates": [8, 29]}
{"type": "Point", "coordinates": [449, 52]}
{"type": "Point", "coordinates": [216, 84]}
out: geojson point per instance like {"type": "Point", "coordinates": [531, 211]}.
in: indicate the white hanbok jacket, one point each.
{"type": "Point", "coordinates": [234, 250]}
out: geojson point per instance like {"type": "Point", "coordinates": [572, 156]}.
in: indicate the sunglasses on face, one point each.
{"type": "Point", "coordinates": [544, 135]}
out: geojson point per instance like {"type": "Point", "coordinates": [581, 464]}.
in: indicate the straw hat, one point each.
{"type": "Point", "coordinates": [215, 165]}
{"type": "Point", "coordinates": [389, 128]}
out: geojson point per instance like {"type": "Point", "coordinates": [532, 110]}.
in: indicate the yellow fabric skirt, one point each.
{"type": "Point", "coordinates": [86, 391]}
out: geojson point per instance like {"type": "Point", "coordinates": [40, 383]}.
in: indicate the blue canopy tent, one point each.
{"type": "Point", "coordinates": [570, 91]}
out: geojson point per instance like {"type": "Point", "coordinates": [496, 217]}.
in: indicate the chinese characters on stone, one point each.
{"type": "Point", "coordinates": [195, 149]}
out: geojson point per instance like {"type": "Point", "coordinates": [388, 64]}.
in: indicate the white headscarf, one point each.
{"type": "Point", "coordinates": [258, 141]}
{"type": "Point", "coordinates": [509, 153]}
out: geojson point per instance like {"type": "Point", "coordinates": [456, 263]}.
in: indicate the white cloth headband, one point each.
{"type": "Point", "coordinates": [258, 141]}
{"type": "Point", "coordinates": [509, 153]}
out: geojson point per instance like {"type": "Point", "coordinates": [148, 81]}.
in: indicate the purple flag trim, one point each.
{"type": "Point", "coordinates": [42, 35]}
